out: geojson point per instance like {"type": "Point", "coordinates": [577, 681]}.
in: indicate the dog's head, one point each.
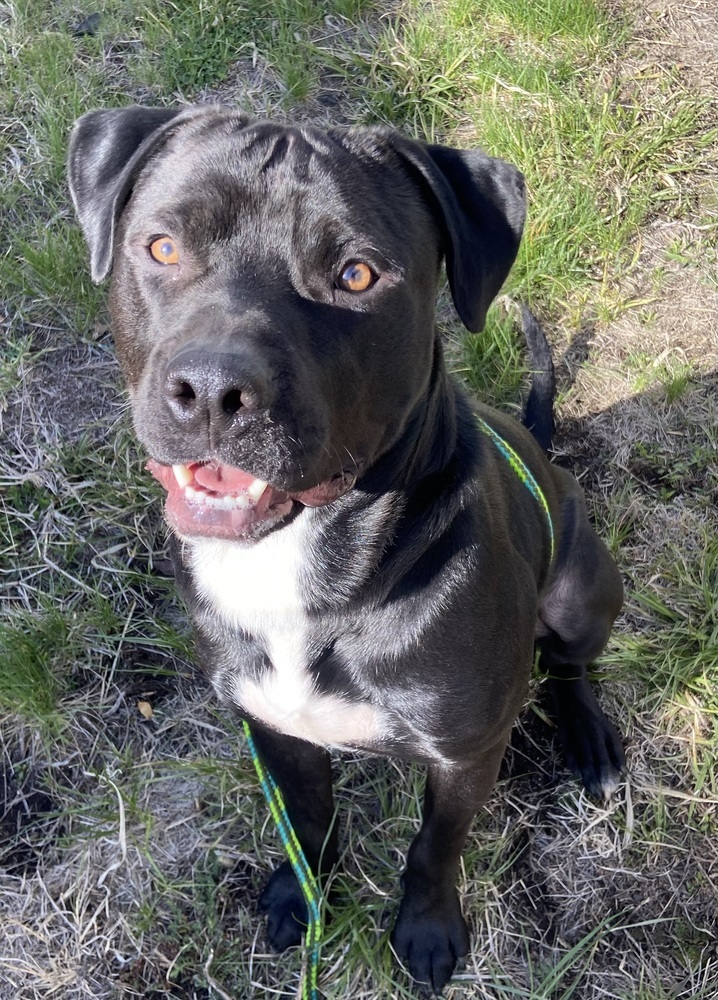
{"type": "Point", "coordinates": [273, 294]}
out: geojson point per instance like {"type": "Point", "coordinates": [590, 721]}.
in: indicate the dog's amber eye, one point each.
{"type": "Point", "coordinates": [356, 277]}
{"type": "Point", "coordinates": [164, 250]}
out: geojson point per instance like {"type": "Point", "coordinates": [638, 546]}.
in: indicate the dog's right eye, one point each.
{"type": "Point", "coordinates": [164, 250]}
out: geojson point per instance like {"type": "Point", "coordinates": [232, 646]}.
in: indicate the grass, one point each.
{"type": "Point", "coordinates": [132, 849]}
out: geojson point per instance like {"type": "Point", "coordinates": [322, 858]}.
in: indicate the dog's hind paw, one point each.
{"type": "Point", "coordinates": [283, 904]}
{"type": "Point", "coordinates": [594, 752]}
{"type": "Point", "coordinates": [430, 941]}
{"type": "Point", "coordinates": [591, 745]}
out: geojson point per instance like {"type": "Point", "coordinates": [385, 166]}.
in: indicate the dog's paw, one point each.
{"type": "Point", "coordinates": [592, 747]}
{"type": "Point", "coordinates": [430, 940]}
{"type": "Point", "coordinates": [594, 752]}
{"type": "Point", "coordinates": [283, 904]}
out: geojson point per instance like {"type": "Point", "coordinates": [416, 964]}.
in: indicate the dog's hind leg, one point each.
{"type": "Point", "coordinates": [575, 619]}
{"type": "Point", "coordinates": [302, 772]}
{"type": "Point", "coordinates": [430, 935]}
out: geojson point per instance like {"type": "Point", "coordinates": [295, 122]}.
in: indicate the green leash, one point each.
{"type": "Point", "coordinates": [272, 794]}
{"type": "Point", "coordinates": [306, 879]}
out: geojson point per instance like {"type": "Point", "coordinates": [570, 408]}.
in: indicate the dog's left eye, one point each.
{"type": "Point", "coordinates": [356, 277]}
{"type": "Point", "coordinates": [164, 250]}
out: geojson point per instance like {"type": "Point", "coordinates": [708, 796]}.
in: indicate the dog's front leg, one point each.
{"type": "Point", "coordinates": [303, 773]}
{"type": "Point", "coordinates": [430, 935]}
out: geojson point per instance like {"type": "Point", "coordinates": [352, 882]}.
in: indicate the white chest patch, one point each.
{"type": "Point", "coordinates": [258, 589]}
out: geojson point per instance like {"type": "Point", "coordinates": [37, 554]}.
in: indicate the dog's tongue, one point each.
{"type": "Point", "coordinates": [222, 478]}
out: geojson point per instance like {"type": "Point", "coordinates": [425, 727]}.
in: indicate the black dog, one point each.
{"type": "Point", "coordinates": [368, 560]}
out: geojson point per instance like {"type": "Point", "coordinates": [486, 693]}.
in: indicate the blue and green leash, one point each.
{"type": "Point", "coordinates": [305, 877]}
{"type": "Point", "coordinates": [522, 471]}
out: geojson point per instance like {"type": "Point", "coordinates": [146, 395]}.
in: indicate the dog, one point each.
{"type": "Point", "coordinates": [369, 559]}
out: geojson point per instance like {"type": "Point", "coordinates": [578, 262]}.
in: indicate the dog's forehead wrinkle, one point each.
{"type": "Point", "coordinates": [264, 151]}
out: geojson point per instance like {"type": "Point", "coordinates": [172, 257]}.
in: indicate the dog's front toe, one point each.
{"type": "Point", "coordinates": [283, 904]}
{"type": "Point", "coordinates": [430, 941]}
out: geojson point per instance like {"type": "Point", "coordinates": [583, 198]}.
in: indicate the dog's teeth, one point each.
{"type": "Point", "coordinates": [214, 501]}
{"type": "Point", "coordinates": [227, 501]}
{"type": "Point", "coordinates": [183, 476]}
{"type": "Point", "coordinates": [257, 488]}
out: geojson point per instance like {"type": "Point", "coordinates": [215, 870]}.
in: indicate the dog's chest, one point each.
{"type": "Point", "coordinates": [259, 590]}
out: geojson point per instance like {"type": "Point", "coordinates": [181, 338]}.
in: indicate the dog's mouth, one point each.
{"type": "Point", "coordinates": [220, 501]}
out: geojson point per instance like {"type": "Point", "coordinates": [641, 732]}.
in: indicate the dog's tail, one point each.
{"type": "Point", "coordinates": [538, 415]}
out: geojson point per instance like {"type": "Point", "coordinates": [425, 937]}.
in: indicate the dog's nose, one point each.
{"type": "Point", "coordinates": [205, 388]}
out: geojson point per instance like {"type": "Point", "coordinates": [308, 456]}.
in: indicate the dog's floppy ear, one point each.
{"type": "Point", "coordinates": [480, 205]}
{"type": "Point", "coordinates": [107, 150]}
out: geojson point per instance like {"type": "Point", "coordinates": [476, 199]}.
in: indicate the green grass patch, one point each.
{"type": "Point", "coordinates": [33, 664]}
{"type": "Point", "coordinates": [494, 362]}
